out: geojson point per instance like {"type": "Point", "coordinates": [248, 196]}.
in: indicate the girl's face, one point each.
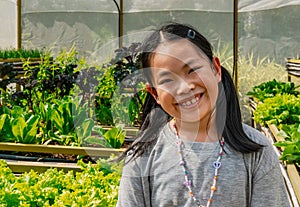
{"type": "Point", "coordinates": [185, 80]}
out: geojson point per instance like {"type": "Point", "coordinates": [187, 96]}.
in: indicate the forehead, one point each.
{"type": "Point", "coordinates": [176, 52]}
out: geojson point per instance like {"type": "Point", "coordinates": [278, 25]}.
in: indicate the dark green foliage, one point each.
{"type": "Point", "coordinates": [50, 79]}
{"type": "Point", "coordinates": [291, 144]}
{"type": "Point", "coordinates": [7, 75]}
{"type": "Point", "coordinates": [272, 88]}
{"type": "Point", "coordinates": [113, 104]}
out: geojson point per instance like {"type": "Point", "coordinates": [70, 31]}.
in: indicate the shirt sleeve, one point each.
{"type": "Point", "coordinates": [134, 188]}
{"type": "Point", "coordinates": [269, 188]}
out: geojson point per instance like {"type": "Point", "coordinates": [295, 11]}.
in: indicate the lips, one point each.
{"type": "Point", "coordinates": [191, 102]}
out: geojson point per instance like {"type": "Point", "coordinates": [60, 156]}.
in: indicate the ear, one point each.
{"type": "Point", "coordinates": [152, 91]}
{"type": "Point", "coordinates": [217, 65]}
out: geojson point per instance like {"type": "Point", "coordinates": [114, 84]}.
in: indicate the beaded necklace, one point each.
{"type": "Point", "coordinates": [188, 182]}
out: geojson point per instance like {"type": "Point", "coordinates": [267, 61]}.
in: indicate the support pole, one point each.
{"type": "Point", "coordinates": [19, 24]}
{"type": "Point", "coordinates": [120, 23]}
{"type": "Point", "coordinates": [235, 44]}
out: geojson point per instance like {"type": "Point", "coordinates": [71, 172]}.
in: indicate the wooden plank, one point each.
{"type": "Point", "coordinates": [57, 149]}
{"type": "Point", "coordinates": [275, 132]}
{"type": "Point", "coordinates": [19, 60]}
{"type": "Point", "coordinates": [290, 60]}
{"type": "Point", "coordinates": [294, 178]}
{"type": "Point", "coordinates": [27, 166]}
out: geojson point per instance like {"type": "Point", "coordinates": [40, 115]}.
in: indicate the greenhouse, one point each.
{"type": "Point", "coordinates": [74, 93]}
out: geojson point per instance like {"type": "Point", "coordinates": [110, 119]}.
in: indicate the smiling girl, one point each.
{"type": "Point", "coordinates": [193, 149]}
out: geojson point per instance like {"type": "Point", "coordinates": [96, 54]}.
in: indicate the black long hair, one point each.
{"type": "Point", "coordinates": [154, 117]}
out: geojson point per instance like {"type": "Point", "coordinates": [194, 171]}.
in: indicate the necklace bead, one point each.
{"type": "Point", "coordinates": [188, 183]}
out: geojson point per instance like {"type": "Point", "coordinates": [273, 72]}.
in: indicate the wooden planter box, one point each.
{"type": "Point", "coordinates": [290, 171]}
{"type": "Point", "coordinates": [15, 60]}
{"type": "Point", "coordinates": [25, 166]}
{"type": "Point", "coordinates": [18, 62]}
{"type": "Point", "coordinates": [292, 174]}
{"type": "Point", "coordinates": [293, 68]}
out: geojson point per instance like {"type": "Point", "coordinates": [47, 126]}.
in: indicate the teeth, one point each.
{"type": "Point", "coordinates": [190, 102]}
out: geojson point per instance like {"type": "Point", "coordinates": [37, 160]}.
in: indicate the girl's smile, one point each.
{"type": "Point", "coordinates": [190, 102]}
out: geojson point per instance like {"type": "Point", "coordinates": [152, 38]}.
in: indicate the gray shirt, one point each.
{"type": "Point", "coordinates": [245, 180]}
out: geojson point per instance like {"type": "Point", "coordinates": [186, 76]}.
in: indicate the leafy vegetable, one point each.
{"type": "Point", "coordinates": [18, 126]}
{"type": "Point", "coordinates": [96, 185]}
{"type": "Point", "coordinates": [280, 105]}
{"type": "Point", "coordinates": [281, 109]}
{"type": "Point", "coordinates": [272, 88]}
{"type": "Point", "coordinates": [291, 144]}
{"type": "Point", "coordinates": [113, 137]}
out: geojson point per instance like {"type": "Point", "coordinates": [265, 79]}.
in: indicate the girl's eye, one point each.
{"type": "Point", "coordinates": [194, 69]}
{"type": "Point", "coordinates": [164, 81]}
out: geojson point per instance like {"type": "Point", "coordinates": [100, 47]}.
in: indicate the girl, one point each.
{"type": "Point", "coordinates": [192, 149]}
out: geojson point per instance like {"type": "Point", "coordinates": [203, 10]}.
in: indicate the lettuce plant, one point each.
{"type": "Point", "coordinates": [96, 185]}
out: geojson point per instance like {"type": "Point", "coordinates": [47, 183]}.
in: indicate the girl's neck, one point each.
{"type": "Point", "coordinates": [196, 131]}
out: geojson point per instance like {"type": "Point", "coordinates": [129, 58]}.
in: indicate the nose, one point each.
{"type": "Point", "coordinates": [185, 86]}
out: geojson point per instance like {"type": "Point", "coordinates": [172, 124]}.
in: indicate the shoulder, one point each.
{"type": "Point", "coordinates": [139, 163]}
{"type": "Point", "coordinates": [264, 160]}
{"type": "Point", "coordinates": [256, 135]}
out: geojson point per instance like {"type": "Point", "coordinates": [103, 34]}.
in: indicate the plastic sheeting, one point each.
{"type": "Point", "coordinates": [266, 27]}
{"type": "Point", "coordinates": [8, 24]}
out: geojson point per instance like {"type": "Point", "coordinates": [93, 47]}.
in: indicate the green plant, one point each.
{"type": "Point", "coordinates": [105, 91]}
{"type": "Point", "coordinates": [96, 185]}
{"type": "Point", "coordinates": [126, 107]}
{"type": "Point", "coordinates": [46, 127]}
{"type": "Point", "coordinates": [291, 144]}
{"type": "Point", "coordinates": [281, 109]}
{"type": "Point", "coordinates": [252, 72]}
{"type": "Point", "coordinates": [271, 88]}
{"type": "Point", "coordinates": [19, 126]}
{"type": "Point", "coordinates": [52, 78]}
{"type": "Point", "coordinates": [113, 104]}
{"type": "Point", "coordinates": [70, 120]}
{"type": "Point", "coordinates": [126, 61]}
{"type": "Point", "coordinates": [64, 121]}
{"type": "Point", "coordinates": [7, 76]}
{"type": "Point", "coordinates": [113, 138]}
{"type": "Point", "coordinates": [21, 53]}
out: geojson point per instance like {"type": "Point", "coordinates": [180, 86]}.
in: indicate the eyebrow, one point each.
{"type": "Point", "coordinates": [163, 73]}
{"type": "Point", "coordinates": [167, 72]}
{"type": "Point", "coordinates": [190, 62]}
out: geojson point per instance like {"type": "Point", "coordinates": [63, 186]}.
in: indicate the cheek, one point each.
{"type": "Point", "coordinates": [167, 90]}
{"type": "Point", "coordinates": [164, 95]}
{"type": "Point", "coordinates": [165, 99]}
{"type": "Point", "coordinates": [213, 93]}
{"type": "Point", "coordinates": [210, 83]}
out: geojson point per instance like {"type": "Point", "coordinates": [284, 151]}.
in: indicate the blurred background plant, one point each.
{"type": "Point", "coordinates": [21, 53]}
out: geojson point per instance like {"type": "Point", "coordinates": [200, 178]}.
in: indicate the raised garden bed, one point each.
{"type": "Point", "coordinates": [40, 165]}
{"type": "Point", "coordinates": [291, 171]}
